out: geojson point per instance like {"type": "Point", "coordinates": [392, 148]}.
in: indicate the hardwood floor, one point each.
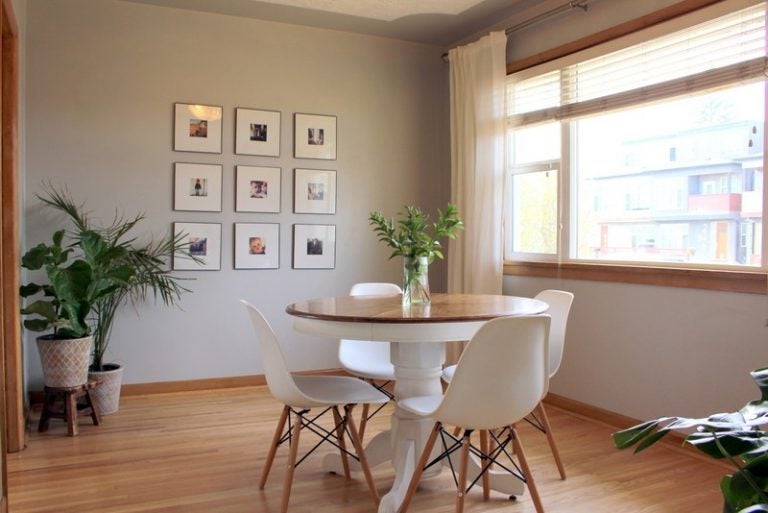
{"type": "Point", "coordinates": [202, 452]}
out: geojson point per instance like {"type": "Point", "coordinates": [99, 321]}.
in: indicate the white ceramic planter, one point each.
{"type": "Point", "coordinates": [107, 394]}
{"type": "Point", "coordinates": [64, 361]}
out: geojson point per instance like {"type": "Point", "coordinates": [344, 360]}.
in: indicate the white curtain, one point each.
{"type": "Point", "coordinates": [477, 78]}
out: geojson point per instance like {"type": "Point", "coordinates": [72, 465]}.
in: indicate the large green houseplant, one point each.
{"type": "Point", "coordinates": [737, 437]}
{"type": "Point", "coordinates": [124, 271]}
{"type": "Point", "coordinates": [74, 286]}
{"type": "Point", "coordinates": [411, 239]}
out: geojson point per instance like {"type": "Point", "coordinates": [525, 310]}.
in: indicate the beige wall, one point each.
{"type": "Point", "coordinates": [102, 79]}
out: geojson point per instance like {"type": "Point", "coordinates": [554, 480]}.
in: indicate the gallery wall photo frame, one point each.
{"type": "Point", "coordinates": [257, 132]}
{"type": "Point", "coordinates": [314, 136]}
{"type": "Point", "coordinates": [197, 187]}
{"type": "Point", "coordinates": [257, 246]}
{"type": "Point", "coordinates": [202, 241]}
{"type": "Point", "coordinates": [314, 246]}
{"type": "Point", "coordinates": [314, 191]}
{"type": "Point", "coordinates": [197, 127]}
{"type": "Point", "coordinates": [257, 189]}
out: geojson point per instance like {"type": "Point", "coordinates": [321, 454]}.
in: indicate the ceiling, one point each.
{"type": "Point", "coordinates": [437, 22]}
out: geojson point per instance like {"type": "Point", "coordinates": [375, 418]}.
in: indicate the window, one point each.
{"type": "Point", "coordinates": [648, 154]}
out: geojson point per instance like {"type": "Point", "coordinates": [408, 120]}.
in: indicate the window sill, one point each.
{"type": "Point", "coordinates": [751, 282]}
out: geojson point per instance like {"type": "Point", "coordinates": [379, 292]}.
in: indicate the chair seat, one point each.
{"type": "Point", "coordinates": [421, 405]}
{"type": "Point", "coordinates": [448, 373]}
{"type": "Point", "coordinates": [331, 390]}
{"type": "Point", "coordinates": [374, 369]}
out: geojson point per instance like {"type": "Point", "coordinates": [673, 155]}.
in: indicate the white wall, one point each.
{"type": "Point", "coordinates": [647, 351]}
{"type": "Point", "coordinates": [102, 79]}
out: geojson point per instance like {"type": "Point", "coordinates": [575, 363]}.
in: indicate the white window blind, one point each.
{"type": "Point", "coordinates": [726, 50]}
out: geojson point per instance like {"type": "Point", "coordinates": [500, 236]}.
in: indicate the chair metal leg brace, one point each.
{"type": "Point", "coordinates": [451, 444]}
{"type": "Point", "coordinates": [331, 436]}
{"type": "Point", "coordinates": [343, 425]}
{"type": "Point", "coordinates": [365, 416]}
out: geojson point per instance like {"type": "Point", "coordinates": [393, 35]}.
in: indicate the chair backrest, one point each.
{"type": "Point", "coordinates": [279, 379]}
{"type": "Point", "coordinates": [501, 375]}
{"type": "Point", "coordinates": [353, 351]}
{"type": "Point", "coordinates": [559, 302]}
{"type": "Point", "coordinates": [375, 289]}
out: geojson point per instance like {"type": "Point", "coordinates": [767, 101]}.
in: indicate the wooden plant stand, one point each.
{"type": "Point", "coordinates": [69, 410]}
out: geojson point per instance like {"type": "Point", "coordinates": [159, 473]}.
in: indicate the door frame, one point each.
{"type": "Point", "coordinates": [12, 396]}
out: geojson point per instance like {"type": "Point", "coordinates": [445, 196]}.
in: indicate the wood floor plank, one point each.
{"type": "Point", "coordinates": [202, 452]}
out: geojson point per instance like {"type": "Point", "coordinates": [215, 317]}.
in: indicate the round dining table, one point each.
{"type": "Point", "coordinates": [417, 334]}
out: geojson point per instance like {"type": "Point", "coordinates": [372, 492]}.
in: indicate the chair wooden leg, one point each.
{"type": "Point", "coordinates": [273, 448]}
{"type": "Point", "coordinates": [291, 467]}
{"type": "Point", "coordinates": [529, 482]}
{"type": "Point", "coordinates": [343, 446]}
{"type": "Point", "coordinates": [360, 450]}
{"type": "Point", "coordinates": [364, 419]}
{"type": "Point", "coordinates": [551, 439]}
{"type": "Point", "coordinates": [461, 487]}
{"type": "Point", "coordinates": [484, 449]}
{"type": "Point", "coordinates": [419, 470]}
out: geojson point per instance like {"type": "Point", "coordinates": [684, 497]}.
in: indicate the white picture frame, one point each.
{"type": "Point", "coordinates": [314, 136]}
{"type": "Point", "coordinates": [257, 189]}
{"type": "Point", "coordinates": [257, 132]}
{"type": "Point", "coordinates": [202, 240]}
{"type": "Point", "coordinates": [314, 246]}
{"type": "Point", "coordinates": [257, 246]}
{"type": "Point", "coordinates": [197, 187]}
{"type": "Point", "coordinates": [197, 128]}
{"type": "Point", "coordinates": [314, 191]}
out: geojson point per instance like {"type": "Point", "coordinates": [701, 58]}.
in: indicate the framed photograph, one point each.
{"type": "Point", "coordinates": [314, 246]}
{"type": "Point", "coordinates": [314, 191]}
{"type": "Point", "coordinates": [257, 245]}
{"type": "Point", "coordinates": [257, 132]}
{"type": "Point", "coordinates": [197, 128]}
{"type": "Point", "coordinates": [197, 187]}
{"type": "Point", "coordinates": [203, 242]}
{"type": "Point", "coordinates": [314, 136]}
{"type": "Point", "coordinates": [257, 189]}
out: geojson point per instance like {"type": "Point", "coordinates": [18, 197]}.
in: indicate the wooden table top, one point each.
{"type": "Point", "coordinates": [389, 309]}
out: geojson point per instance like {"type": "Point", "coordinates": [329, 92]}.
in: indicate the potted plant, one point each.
{"type": "Point", "coordinates": [737, 437]}
{"type": "Point", "coordinates": [68, 298]}
{"type": "Point", "coordinates": [410, 238]}
{"type": "Point", "coordinates": [114, 250]}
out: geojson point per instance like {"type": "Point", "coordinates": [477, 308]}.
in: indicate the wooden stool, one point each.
{"type": "Point", "coordinates": [70, 410]}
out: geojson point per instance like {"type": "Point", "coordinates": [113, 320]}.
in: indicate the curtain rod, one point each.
{"type": "Point", "coordinates": [568, 6]}
{"type": "Point", "coordinates": [572, 4]}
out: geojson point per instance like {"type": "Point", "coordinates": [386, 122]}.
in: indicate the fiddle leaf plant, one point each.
{"type": "Point", "coordinates": [72, 289]}
{"type": "Point", "coordinates": [737, 437]}
{"type": "Point", "coordinates": [411, 237]}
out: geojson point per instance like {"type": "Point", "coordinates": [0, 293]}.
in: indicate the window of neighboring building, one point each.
{"type": "Point", "coordinates": [651, 153]}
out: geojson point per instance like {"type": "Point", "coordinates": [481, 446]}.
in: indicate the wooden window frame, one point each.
{"type": "Point", "coordinates": [753, 282]}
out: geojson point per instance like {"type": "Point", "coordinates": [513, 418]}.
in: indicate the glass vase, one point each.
{"type": "Point", "coordinates": [416, 281]}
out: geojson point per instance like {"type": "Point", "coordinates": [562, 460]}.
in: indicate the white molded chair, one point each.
{"type": "Point", "coordinates": [300, 394]}
{"type": "Point", "coordinates": [367, 359]}
{"type": "Point", "coordinates": [506, 362]}
{"type": "Point", "coordinates": [559, 302]}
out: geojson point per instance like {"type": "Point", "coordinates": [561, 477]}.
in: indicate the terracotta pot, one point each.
{"type": "Point", "coordinates": [64, 361]}
{"type": "Point", "coordinates": [107, 394]}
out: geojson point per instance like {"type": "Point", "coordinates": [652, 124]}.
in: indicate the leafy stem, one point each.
{"type": "Point", "coordinates": [411, 237]}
